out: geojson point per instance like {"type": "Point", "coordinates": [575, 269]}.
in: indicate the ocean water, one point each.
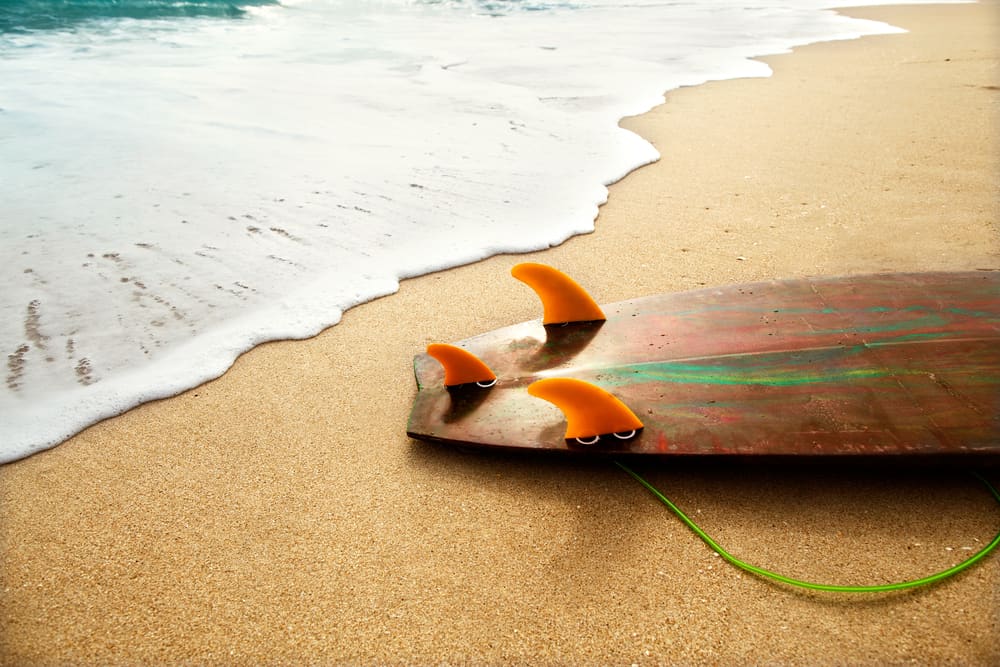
{"type": "Point", "coordinates": [184, 179]}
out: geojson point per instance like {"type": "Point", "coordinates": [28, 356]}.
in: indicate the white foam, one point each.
{"type": "Point", "coordinates": [178, 192]}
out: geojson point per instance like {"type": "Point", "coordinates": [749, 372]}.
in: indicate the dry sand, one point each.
{"type": "Point", "coordinates": [279, 515]}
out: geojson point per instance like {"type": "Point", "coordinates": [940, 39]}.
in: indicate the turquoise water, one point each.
{"type": "Point", "coordinates": [185, 179]}
{"type": "Point", "coordinates": [18, 16]}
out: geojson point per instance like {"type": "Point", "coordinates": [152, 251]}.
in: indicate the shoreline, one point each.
{"type": "Point", "coordinates": [156, 359]}
{"type": "Point", "coordinates": [279, 513]}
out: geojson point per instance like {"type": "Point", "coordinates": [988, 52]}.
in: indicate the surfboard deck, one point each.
{"type": "Point", "coordinates": [884, 364]}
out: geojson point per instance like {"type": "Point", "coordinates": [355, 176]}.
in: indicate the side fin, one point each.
{"type": "Point", "coordinates": [562, 298]}
{"type": "Point", "coordinates": [461, 366]}
{"type": "Point", "coordinates": [590, 411]}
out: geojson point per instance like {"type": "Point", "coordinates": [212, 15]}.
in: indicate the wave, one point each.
{"type": "Point", "coordinates": [20, 16]}
{"type": "Point", "coordinates": [176, 192]}
{"type": "Point", "coordinates": [503, 7]}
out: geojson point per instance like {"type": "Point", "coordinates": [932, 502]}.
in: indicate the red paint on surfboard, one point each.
{"type": "Point", "coordinates": [884, 364]}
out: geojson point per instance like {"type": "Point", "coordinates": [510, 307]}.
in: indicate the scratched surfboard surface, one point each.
{"type": "Point", "coordinates": [880, 364]}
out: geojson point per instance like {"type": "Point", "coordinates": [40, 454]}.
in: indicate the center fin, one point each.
{"type": "Point", "coordinates": [562, 297]}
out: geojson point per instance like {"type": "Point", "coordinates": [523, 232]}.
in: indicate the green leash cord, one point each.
{"type": "Point", "coordinates": [879, 588]}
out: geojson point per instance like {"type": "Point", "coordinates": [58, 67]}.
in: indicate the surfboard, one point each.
{"type": "Point", "coordinates": [882, 364]}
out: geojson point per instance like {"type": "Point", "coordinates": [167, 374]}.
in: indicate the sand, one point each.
{"type": "Point", "coordinates": [279, 515]}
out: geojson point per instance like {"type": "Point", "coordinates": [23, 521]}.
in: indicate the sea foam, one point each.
{"type": "Point", "coordinates": [179, 189]}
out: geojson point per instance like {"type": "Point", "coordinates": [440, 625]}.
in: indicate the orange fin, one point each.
{"type": "Point", "coordinates": [461, 366]}
{"type": "Point", "coordinates": [562, 298]}
{"type": "Point", "coordinates": [590, 411]}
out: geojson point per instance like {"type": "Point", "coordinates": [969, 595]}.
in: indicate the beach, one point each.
{"type": "Point", "coordinates": [280, 515]}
